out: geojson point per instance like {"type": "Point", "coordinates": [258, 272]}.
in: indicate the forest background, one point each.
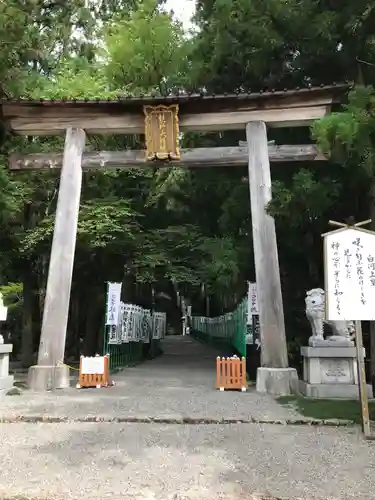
{"type": "Point", "coordinates": [168, 229]}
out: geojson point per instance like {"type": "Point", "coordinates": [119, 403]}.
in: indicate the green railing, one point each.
{"type": "Point", "coordinates": [136, 336]}
{"type": "Point", "coordinates": [123, 355]}
{"type": "Point", "coordinates": [228, 332]}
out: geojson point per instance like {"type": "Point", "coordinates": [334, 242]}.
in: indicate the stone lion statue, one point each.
{"type": "Point", "coordinates": [343, 331]}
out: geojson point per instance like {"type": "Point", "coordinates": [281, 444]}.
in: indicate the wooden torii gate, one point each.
{"type": "Point", "coordinates": [162, 120]}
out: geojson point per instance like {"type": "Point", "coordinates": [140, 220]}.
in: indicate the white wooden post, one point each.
{"type": "Point", "coordinates": [274, 354]}
{"type": "Point", "coordinates": [56, 307]}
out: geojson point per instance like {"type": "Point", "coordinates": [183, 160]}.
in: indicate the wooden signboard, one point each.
{"type": "Point", "coordinates": [349, 275]}
{"type": "Point", "coordinates": [162, 132]}
{"type": "Point", "coordinates": [94, 372]}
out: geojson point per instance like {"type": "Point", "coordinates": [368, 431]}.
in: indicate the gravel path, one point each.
{"type": "Point", "coordinates": [165, 462]}
{"type": "Point", "coordinates": [178, 384]}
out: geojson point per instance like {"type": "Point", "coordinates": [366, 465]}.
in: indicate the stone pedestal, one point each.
{"type": "Point", "coordinates": [330, 372]}
{"type": "Point", "coordinates": [6, 380]}
{"type": "Point", "coordinates": [277, 381]}
{"type": "Point", "coordinates": [47, 378]}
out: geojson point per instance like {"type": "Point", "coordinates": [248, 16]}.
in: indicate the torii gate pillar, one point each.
{"type": "Point", "coordinates": [50, 372]}
{"type": "Point", "coordinates": [274, 376]}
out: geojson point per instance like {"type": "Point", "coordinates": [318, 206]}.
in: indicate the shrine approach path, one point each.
{"type": "Point", "coordinates": [73, 459]}
{"type": "Point", "coordinates": [178, 384]}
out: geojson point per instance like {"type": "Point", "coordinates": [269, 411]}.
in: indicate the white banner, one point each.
{"type": "Point", "coordinates": [113, 303]}
{"type": "Point", "coordinates": [3, 309]}
{"type": "Point", "coordinates": [349, 269]}
{"type": "Point", "coordinates": [3, 313]}
{"type": "Point", "coordinates": [252, 302]}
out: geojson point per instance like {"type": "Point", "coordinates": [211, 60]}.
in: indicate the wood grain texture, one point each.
{"type": "Point", "coordinates": [190, 158]}
{"type": "Point", "coordinates": [116, 118]}
{"type": "Point", "coordinates": [56, 305]}
{"type": "Point", "coordinates": [270, 302]}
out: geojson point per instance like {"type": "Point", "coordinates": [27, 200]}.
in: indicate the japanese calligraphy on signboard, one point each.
{"type": "Point", "coordinates": [162, 132]}
{"type": "Point", "coordinates": [113, 303]}
{"type": "Point", "coordinates": [92, 365]}
{"type": "Point", "coordinates": [252, 304]}
{"type": "Point", "coordinates": [350, 274]}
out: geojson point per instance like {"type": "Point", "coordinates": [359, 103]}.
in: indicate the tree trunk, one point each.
{"type": "Point", "coordinates": [90, 339]}
{"type": "Point", "coordinates": [93, 324]}
{"type": "Point", "coordinates": [27, 346]}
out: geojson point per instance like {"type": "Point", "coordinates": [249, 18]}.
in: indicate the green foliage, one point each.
{"type": "Point", "coordinates": [264, 43]}
{"type": "Point", "coordinates": [38, 239]}
{"type": "Point", "coordinates": [305, 199]}
{"type": "Point", "coordinates": [12, 295]}
{"type": "Point", "coordinates": [252, 44]}
{"type": "Point", "coordinates": [146, 49]}
{"type": "Point", "coordinates": [103, 224]}
{"type": "Point", "coordinates": [172, 252]}
{"type": "Point", "coordinates": [11, 195]}
{"type": "Point", "coordinates": [349, 135]}
{"type": "Point", "coordinates": [15, 42]}
{"type": "Point", "coordinates": [75, 79]}
{"type": "Point", "coordinates": [220, 266]}
{"type": "Point", "coordinates": [107, 222]}
{"type": "Point", "coordinates": [168, 185]}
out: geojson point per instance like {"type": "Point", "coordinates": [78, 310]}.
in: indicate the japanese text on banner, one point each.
{"type": "Point", "coordinates": [252, 304]}
{"type": "Point", "coordinates": [113, 303]}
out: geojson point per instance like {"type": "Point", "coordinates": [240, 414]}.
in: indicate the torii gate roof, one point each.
{"type": "Point", "coordinates": [197, 112]}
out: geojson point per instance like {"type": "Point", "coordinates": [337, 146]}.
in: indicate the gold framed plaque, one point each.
{"type": "Point", "coordinates": [162, 132]}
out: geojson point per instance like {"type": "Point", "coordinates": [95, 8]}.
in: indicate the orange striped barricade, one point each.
{"type": "Point", "coordinates": [231, 373]}
{"type": "Point", "coordinates": [94, 372]}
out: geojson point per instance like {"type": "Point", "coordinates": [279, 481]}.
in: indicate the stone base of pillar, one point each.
{"type": "Point", "coordinates": [330, 371]}
{"type": "Point", "coordinates": [6, 383]}
{"type": "Point", "coordinates": [332, 391]}
{"type": "Point", "coordinates": [277, 381]}
{"type": "Point", "coordinates": [6, 380]}
{"type": "Point", "coordinates": [47, 378]}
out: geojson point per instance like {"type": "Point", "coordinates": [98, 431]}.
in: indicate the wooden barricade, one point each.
{"type": "Point", "coordinates": [231, 373]}
{"type": "Point", "coordinates": [94, 372]}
